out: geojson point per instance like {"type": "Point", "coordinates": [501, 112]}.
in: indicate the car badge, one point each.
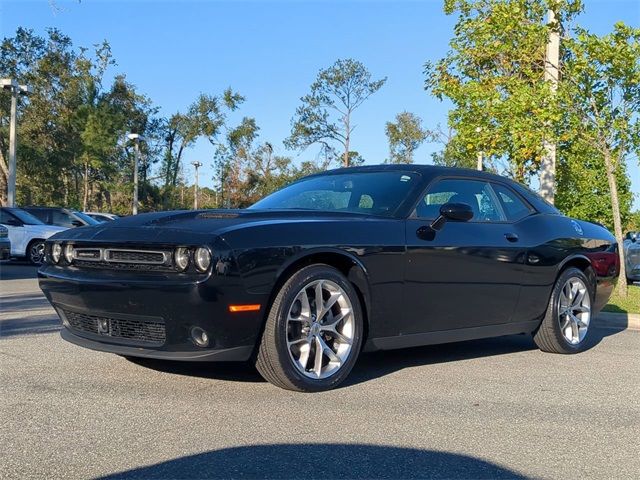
{"type": "Point", "coordinates": [576, 227]}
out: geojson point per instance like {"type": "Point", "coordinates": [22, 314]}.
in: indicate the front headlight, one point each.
{"type": "Point", "coordinates": [181, 258]}
{"type": "Point", "coordinates": [56, 251]}
{"type": "Point", "coordinates": [202, 259]}
{"type": "Point", "coordinates": [68, 253]}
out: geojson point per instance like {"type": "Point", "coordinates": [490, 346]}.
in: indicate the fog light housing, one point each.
{"type": "Point", "coordinates": [68, 253]}
{"type": "Point", "coordinates": [200, 337]}
{"type": "Point", "coordinates": [181, 258]}
{"type": "Point", "coordinates": [202, 259]}
{"type": "Point", "coordinates": [56, 252]}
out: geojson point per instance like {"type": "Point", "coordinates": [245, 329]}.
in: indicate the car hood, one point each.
{"type": "Point", "coordinates": [44, 231]}
{"type": "Point", "coordinates": [170, 227]}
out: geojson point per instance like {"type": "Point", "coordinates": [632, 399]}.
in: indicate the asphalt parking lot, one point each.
{"type": "Point", "coordinates": [494, 408]}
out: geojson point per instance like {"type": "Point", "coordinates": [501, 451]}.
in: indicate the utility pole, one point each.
{"type": "Point", "coordinates": [551, 74]}
{"type": "Point", "coordinates": [196, 165]}
{"type": "Point", "coordinates": [479, 156]}
{"type": "Point", "coordinates": [136, 139]}
{"type": "Point", "coordinates": [16, 89]}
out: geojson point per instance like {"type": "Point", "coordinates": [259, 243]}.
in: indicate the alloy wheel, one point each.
{"type": "Point", "coordinates": [574, 310]}
{"type": "Point", "coordinates": [36, 253]}
{"type": "Point", "coordinates": [320, 329]}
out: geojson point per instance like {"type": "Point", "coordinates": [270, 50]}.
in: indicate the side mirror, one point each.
{"type": "Point", "coordinates": [455, 212]}
{"type": "Point", "coordinates": [77, 223]}
{"type": "Point", "coordinates": [634, 237]}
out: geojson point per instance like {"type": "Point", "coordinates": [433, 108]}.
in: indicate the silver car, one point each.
{"type": "Point", "coordinates": [632, 256]}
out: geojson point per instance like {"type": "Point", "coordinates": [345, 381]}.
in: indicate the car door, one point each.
{"type": "Point", "coordinates": [17, 231]}
{"type": "Point", "coordinates": [466, 274]}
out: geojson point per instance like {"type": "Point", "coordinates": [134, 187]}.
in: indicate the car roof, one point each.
{"type": "Point", "coordinates": [431, 170]}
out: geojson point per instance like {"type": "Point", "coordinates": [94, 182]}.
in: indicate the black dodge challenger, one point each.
{"type": "Point", "coordinates": [350, 260]}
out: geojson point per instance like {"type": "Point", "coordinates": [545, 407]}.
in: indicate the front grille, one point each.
{"type": "Point", "coordinates": [135, 256]}
{"type": "Point", "coordinates": [141, 267]}
{"type": "Point", "coordinates": [139, 330]}
{"type": "Point", "coordinates": [110, 258]}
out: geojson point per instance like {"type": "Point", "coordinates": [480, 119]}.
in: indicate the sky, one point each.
{"type": "Point", "coordinates": [271, 51]}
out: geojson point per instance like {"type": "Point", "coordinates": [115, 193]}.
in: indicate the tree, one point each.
{"type": "Point", "coordinates": [71, 148]}
{"type": "Point", "coordinates": [493, 74]}
{"type": "Point", "coordinates": [601, 96]}
{"type": "Point", "coordinates": [325, 116]}
{"type": "Point", "coordinates": [205, 117]}
{"type": "Point", "coordinates": [405, 135]}
{"type": "Point", "coordinates": [582, 188]}
{"type": "Point", "coordinates": [250, 171]}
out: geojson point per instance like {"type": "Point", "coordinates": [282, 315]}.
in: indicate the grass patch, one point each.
{"type": "Point", "coordinates": [631, 304]}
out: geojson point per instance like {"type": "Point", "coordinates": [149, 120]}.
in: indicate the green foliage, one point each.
{"type": "Point", "coordinates": [325, 116]}
{"type": "Point", "coordinates": [493, 75]}
{"type": "Point", "coordinates": [582, 188]}
{"type": "Point", "coordinates": [71, 126]}
{"type": "Point", "coordinates": [405, 135]}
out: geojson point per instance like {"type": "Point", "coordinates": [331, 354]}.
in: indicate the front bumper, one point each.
{"type": "Point", "coordinates": [5, 252]}
{"type": "Point", "coordinates": [233, 354]}
{"type": "Point", "coordinates": [152, 316]}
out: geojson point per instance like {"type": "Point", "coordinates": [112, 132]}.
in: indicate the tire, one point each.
{"type": "Point", "coordinates": [293, 334]}
{"type": "Point", "coordinates": [35, 252]}
{"type": "Point", "coordinates": [566, 325]}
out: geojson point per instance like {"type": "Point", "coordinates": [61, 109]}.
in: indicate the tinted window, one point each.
{"type": "Point", "coordinates": [62, 218]}
{"type": "Point", "coordinates": [376, 193]}
{"type": "Point", "coordinates": [514, 208]}
{"type": "Point", "coordinates": [474, 193]}
{"type": "Point", "coordinates": [25, 217]}
{"type": "Point", "coordinates": [87, 219]}
{"type": "Point", "coordinates": [6, 217]}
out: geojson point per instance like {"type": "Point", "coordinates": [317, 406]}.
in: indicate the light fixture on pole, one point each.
{"type": "Point", "coordinates": [16, 90]}
{"type": "Point", "coordinates": [196, 165]}
{"type": "Point", "coordinates": [136, 139]}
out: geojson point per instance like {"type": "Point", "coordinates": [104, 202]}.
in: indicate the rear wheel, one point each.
{"type": "Point", "coordinates": [313, 334]}
{"type": "Point", "coordinates": [35, 252]}
{"type": "Point", "coordinates": [565, 327]}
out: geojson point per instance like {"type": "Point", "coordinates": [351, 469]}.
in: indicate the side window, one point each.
{"type": "Point", "coordinates": [475, 193]}
{"type": "Point", "coordinates": [6, 217]}
{"type": "Point", "coordinates": [61, 218]}
{"type": "Point", "coordinates": [514, 208]}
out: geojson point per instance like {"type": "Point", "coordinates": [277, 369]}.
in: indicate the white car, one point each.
{"type": "Point", "coordinates": [26, 233]}
{"type": "Point", "coordinates": [632, 256]}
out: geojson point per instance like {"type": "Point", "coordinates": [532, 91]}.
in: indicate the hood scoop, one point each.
{"type": "Point", "coordinates": [213, 215]}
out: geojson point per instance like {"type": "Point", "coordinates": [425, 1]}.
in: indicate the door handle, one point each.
{"type": "Point", "coordinates": [512, 237]}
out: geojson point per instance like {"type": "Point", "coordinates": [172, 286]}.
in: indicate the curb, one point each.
{"type": "Point", "coordinates": [630, 321]}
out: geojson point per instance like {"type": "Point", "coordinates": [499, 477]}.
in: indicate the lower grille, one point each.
{"type": "Point", "coordinates": [147, 331]}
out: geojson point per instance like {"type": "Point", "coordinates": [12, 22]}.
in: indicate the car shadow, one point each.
{"type": "Point", "coordinates": [17, 270]}
{"type": "Point", "coordinates": [321, 460]}
{"type": "Point", "coordinates": [375, 364]}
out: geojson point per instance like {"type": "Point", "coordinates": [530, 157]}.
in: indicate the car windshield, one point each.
{"type": "Point", "coordinates": [25, 217]}
{"type": "Point", "coordinates": [86, 218]}
{"type": "Point", "coordinates": [374, 193]}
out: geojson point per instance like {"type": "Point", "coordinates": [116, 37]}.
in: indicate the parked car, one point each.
{"type": "Point", "coordinates": [26, 234]}
{"type": "Point", "coordinates": [102, 217]}
{"type": "Point", "coordinates": [5, 243]}
{"type": "Point", "coordinates": [61, 217]}
{"type": "Point", "coordinates": [367, 258]}
{"type": "Point", "coordinates": [632, 256]}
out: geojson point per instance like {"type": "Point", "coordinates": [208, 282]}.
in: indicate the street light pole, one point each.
{"type": "Point", "coordinates": [196, 165]}
{"type": "Point", "coordinates": [136, 138]}
{"type": "Point", "coordinates": [16, 90]}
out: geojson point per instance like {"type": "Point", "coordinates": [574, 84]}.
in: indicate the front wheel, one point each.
{"type": "Point", "coordinates": [313, 334]}
{"type": "Point", "coordinates": [35, 252]}
{"type": "Point", "coordinates": [565, 327]}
